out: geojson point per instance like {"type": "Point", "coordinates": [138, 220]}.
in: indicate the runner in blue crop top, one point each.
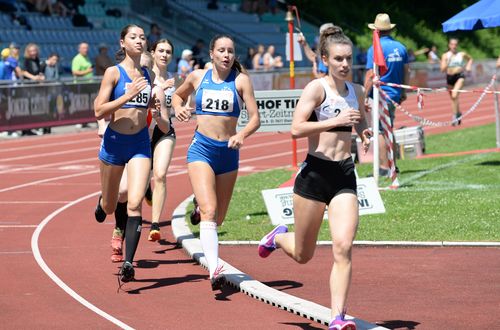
{"type": "Point", "coordinates": [218, 99]}
{"type": "Point", "coordinates": [213, 155]}
{"type": "Point", "coordinates": [125, 95]}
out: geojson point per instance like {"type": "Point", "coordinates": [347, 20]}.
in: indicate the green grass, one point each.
{"type": "Point", "coordinates": [440, 199]}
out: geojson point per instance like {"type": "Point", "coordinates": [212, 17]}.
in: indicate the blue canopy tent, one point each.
{"type": "Point", "coordinates": [481, 15]}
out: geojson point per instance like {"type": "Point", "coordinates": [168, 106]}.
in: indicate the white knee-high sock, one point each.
{"type": "Point", "coordinates": [210, 244]}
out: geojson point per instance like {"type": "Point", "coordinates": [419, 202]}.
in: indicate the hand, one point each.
{"type": "Point", "coordinates": [183, 113]}
{"type": "Point", "coordinates": [348, 117]}
{"type": "Point", "coordinates": [168, 83]}
{"type": "Point", "coordinates": [101, 127]}
{"type": "Point", "coordinates": [301, 39]}
{"type": "Point", "coordinates": [235, 141]}
{"type": "Point", "coordinates": [368, 105]}
{"type": "Point", "coordinates": [136, 86]}
{"type": "Point", "coordinates": [366, 135]}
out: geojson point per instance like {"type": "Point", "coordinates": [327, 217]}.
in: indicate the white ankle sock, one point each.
{"type": "Point", "coordinates": [210, 244]}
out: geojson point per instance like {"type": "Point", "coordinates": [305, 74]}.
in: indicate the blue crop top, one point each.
{"type": "Point", "coordinates": [141, 100]}
{"type": "Point", "coordinates": [218, 99]}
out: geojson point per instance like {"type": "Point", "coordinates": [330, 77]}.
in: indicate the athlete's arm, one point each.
{"type": "Point", "coordinates": [181, 95]}
{"type": "Point", "coordinates": [444, 62]}
{"type": "Point", "coordinates": [362, 127]}
{"type": "Point", "coordinates": [468, 66]}
{"type": "Point", "coordinates": [245, 88]}
{"type": "Point", "coordinates": [102, 106]}
{"type": "Point", "coordinates": [158, 108]}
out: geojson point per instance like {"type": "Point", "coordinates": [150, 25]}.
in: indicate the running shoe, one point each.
{"type": "Point", "coordinates": [217, 280]}
{"type": "Point", "coordinates": [117, 246]}
{"type": "Point", "coordinates": [99, 213]}
{"type": "Point", "coordinates": [195, 214]}
{"type": "Point", "coordinates": [267, 243]}
{"type": "Point", "coordinates": [154, 232]}
{"type": "Point", "coordinates": [459, 118]}
{"type": "Point", "coordinates": [127, 272]}
{"type": "Point", "coordinates": [340, 324]}
{"type": "Point", "coordinates": [148, 196]}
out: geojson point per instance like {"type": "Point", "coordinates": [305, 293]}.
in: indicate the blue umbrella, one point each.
{"type": "Point", "coordinates": [483, 14]}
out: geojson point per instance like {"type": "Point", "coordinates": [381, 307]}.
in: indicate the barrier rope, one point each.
{"type": "Point", "coordinates": [385, 121]}
{"type": "Point", "coordinates": [426, 122]}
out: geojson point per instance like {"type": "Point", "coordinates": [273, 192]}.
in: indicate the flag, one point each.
{"type": "Point", "coordinates": [378, 54]}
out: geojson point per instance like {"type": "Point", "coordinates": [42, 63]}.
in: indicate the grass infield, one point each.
{"type": "Point", "coordinates": [449, 198]}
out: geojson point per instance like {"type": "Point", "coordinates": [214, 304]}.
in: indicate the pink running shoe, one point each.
{"type": "Point", "coordinates": [117, 246]}
{"type": "Point", "coordinates": [339, 323]}
{"type": "Point", "coordinates": [217, 279]}
{"type": "Point", "coordinates": [267, 244]}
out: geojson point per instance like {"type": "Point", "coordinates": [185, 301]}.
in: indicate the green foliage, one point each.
{"type": "Point", "coordinates": [418, 24]}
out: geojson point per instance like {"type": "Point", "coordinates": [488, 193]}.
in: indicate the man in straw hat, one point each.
{"type": "Point", "coordinates": [396, 59]}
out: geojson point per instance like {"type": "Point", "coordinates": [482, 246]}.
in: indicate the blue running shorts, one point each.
{"type": "Point", "coordinates": [117, 148]}
{"type": "Point", "coordinates": [215, 153]}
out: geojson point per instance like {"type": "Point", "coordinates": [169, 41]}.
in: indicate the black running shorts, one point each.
{"type": "Point", "coordinates": [321, 180]}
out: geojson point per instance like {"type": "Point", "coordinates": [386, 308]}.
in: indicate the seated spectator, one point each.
{"type": "Point", "coordinates": [103, 60]}
{"type": "Point", "coordinates": [5, 53]}
{"type": "Point", "coordinates": [41, 6]}
{"type": "Point", "coordinates": [271, 61]}
{"type": "Point", "coordinates": [432, 55]}
{"type": "Point", "coordinates": [185, 65]}
{"type": "Point", "coordinates": [258, 58]}
{"type": "Point", "coordinates": [31, 67]}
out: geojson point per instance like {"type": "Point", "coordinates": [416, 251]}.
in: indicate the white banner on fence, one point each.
{"type": "Point", "coordinates": [279, 202]}
{"type": "Point", "coordinates": [275, 108]}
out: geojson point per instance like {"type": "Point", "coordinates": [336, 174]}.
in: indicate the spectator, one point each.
{"type": "Point", "coordinates": [41, 6]}
{"type": "Point", "coordinates": [50, 68]}
{"type": "Point", "coordinates": [103, 60]}
{"type": "Point", "coordinates": [31, 66]}
{"type": "Point", "coordinates": [432, 55]}
{"type": "Point", "coordinates": [270, 60]}
{"type": "Point", "coordinates": [248, 63]}
{"type": "Point", "coordinates": [81, 66]}
{"type": "Point", "coordinates": [258, 58]}
{"type": "Point", "coordinates": [4, 55]}
{"type": "Point", "coordinates": [11, 69]}
{"type": "Point", "coordinates": [197, 50]}
{"type": "Point", "coordinates": [185, 65]}
{"type": "Point", "coordinates": [154, 35]}
{"type": "Point", "coordinates": [319, 67]}
{"type": "Point", "coordinates": [396, 59]}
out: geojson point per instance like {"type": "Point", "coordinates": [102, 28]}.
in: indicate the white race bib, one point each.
{"type": "Point", "coordinates": [217, 101]}
{"type": "Point", "coordinates": [141, 99]}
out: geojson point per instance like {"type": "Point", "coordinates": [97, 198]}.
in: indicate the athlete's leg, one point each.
{"type": "Point", "coordinates": [203, 180]}
{"type": "Point", "coordinates": [301, 244]}
{"type": "Point", "coordinates": [138, 175]}
{"type": "Point", "coordinates": [110, 183]}
{"type": "Point", "coordinates": [162, 157]}
{"type": "Point", "coordinates": [454, 96]}
{"type": "Point", "coordinates": [343, 219]}
{"type": "Point", "coordinates": [224, 185]}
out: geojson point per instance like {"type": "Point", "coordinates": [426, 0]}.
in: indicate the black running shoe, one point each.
{"type": "Point", "coordinates": [195, 214]}
{"type": "Point", "coordinates": [217, 280]}
{"type": "Point", "coordinates": [99, 213]}
{"type": "Point", "coordinates": [148, 196]}
{"type": "Point", "coordinates": [127, 272]}
{"type": "Point", "coordinates": [459, 118]}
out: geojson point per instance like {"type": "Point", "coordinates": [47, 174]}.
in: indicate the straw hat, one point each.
{"type": "Point", "coordinates": [382, 23]}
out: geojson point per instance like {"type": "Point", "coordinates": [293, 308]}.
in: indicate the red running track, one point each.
{"type": "Point", "coordinates": [48, 189]}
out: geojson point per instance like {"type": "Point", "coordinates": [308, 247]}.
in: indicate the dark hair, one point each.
{"type": "Point", "coordinates": [162, 41]}
{"type": "Point", "coordinates": [332, 35]}
{"type": "Point", "coordinates": [236, 64]}
{"type": "Point", "coordinates": [120, 54]}
{"type": "Point", "coordinates": [53, 54]}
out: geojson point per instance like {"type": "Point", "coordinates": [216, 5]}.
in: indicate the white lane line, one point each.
{"type": "Point", "coordinates": [34, 202]}
{"type": "Point", "coordinates": [17, 226]}
{"type": "Point", "coordinates": [55, 278]}
{"type": "Point", "coordinates": [47, 154]}
{"type": "Point", "coordinates": [16, 167]}
{"type": "Point", "coordinates": [15, 252]}
{"type": "Point", "coordinates": [47, 180]}
{"type": "Point", "coordinates": [54, 144]}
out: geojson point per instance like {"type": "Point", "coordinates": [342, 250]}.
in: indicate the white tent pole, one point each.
{"type": "Point", "coordinates": [497, 115]}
